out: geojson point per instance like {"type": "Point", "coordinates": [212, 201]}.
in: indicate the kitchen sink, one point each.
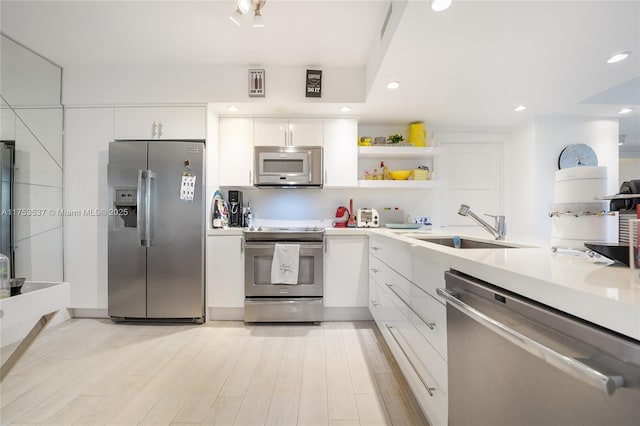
{"type": "Point", "coordinates": [465, 243]}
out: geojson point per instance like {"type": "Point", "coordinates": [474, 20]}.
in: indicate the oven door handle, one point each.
{"type": "Point", "coordinates": [248, 246]}
{"type": "Point", "coordinates": [566, 364]}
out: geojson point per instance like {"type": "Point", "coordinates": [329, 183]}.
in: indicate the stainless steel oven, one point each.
{"type": "Point", "coordinates": [269, 302]}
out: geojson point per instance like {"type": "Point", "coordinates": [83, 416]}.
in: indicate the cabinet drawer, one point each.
{"type": "Point", "coordinates": [376, 248]}
{"type": "Point", "coordinates": [427, 315]}
{"type": "Point", "coordinates": [377, 268]}
{"type": "Point", "coordinates": [429, 318]}
{"type": "Point", "coordinates": [425, 373]}
{"type": "Point", "coordinates": [396, 255]}
{"type": "Point", "coordinates": [428, 275]}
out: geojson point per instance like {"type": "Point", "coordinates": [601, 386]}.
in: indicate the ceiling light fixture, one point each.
{"type": "Point", "coordinates": [232, 108]}
{"type": "Point", "coordinates": [625, 111]}
{"type": "Point", "coordinates": [258, 20]}
{"type": "Point", "coordinates": [245, 6]}
{"type": "Point", "coordinates": [393, 85]}
{"type": "Point", "coordinates": [345, 109]}
{"type": "Point", "coordinates": [618, 57]}
{"type": "Point", "coordinates": [520, 108]}
{"type": "Point", "coordinates": [440, 5]}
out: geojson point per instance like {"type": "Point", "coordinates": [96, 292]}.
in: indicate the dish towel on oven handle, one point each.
{"type": "Point", "coordinates": [286, 260]}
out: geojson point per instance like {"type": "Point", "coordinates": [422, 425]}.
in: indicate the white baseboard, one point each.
{"type": "Point", "coordinates": [90, 313]}
{"type": "Point", "coordinates": [225, 314]}
{"type": "Point", "coordinates": [346, 314]}
{"type": "Point", "coordinates": [328, 314]}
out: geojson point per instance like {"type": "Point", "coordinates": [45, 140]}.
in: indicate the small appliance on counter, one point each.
{"type": "Point", "coordinates": [342, 217]}
{"type": "Point", "coordinates": [626, 202]}
{"type": "Point", "coordinates": [391, 215]}
{"type": "Point", "coordinates": [235, 208]}
{"type": "Point", "coordinates": [367, 218]}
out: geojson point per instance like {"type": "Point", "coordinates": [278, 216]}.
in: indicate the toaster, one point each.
{"type": "Point", "coordinates": [367, 218]}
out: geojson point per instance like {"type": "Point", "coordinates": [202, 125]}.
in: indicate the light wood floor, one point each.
{"type": "Point", "coordinates": [87, 372]}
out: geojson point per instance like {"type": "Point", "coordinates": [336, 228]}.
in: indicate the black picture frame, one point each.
{"type": "Point", "coordinates": [313, 86]}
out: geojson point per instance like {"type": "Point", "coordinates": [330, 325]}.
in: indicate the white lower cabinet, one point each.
{"type": "Point", "coordinates": [345, 271]}
{"type": "Point", "coordinates": [225, 271]}
{"type": "Point", "coordinates": [412, 322]}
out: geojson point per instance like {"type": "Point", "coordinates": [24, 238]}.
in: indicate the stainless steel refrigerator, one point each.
{"type": "Point", "coordinates": [156, 230]}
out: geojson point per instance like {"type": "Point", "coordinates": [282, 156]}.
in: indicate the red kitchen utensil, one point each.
{"type": "Point", "coordinates": [351, 223]}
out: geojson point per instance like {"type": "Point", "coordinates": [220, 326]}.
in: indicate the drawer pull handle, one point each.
{"type": "Point", "coordinates": [428, 323]}
{"type": "Point", "coordinates": [375, 248]}
{"type": "Point", "coordinates": [429, 389]}
{"type": "Point", "coordinates": [374, 270]}
{"type": "Point", "coordinates": [374, 303]}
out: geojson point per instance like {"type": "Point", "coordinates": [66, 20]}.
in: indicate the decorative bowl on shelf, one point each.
{"type": "Point", "coordinates": [400, 174]}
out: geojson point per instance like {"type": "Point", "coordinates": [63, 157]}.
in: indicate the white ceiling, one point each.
{"type": "Point", "coordinates": [468, 66]}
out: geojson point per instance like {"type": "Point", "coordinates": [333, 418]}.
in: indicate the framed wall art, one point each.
{"type": "Point", "coordinates": [314, 84]}
{"type": "Point", "coordinates": [256, 83]}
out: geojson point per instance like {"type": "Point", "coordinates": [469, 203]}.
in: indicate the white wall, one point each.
{"type": "Point", "coordinates": [318, 206]}
{"type": "Point", "coordinates": [179, 85]}
{"type": "Point", "coordinates": [629, 170]}
{"type": "Point", "coordinates": [534, 156]}
{"type": "Point", "coordinates": [86, 155]}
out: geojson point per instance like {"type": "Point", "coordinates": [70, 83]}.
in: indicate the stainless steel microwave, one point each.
{"type": "Point", "coordinates": [288, 166]}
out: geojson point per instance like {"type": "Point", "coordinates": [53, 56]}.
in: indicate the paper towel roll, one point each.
{"type": "Point", "coordinates": [580, 184]}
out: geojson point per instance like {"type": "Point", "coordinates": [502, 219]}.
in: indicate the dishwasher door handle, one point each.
{"type": "Point", "coordinates": [578, 370]}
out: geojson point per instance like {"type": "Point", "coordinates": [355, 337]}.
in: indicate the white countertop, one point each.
{"type": "Point", "coordinates": [602, 293]}
{"type": "Point", "coordinates": [599, 292]}
{"type": "Point", "coordinates": [327, 231]}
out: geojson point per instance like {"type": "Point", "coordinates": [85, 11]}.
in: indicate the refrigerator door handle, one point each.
{"type": "Point", "coordinates": [148, 208]}
{"type": "Point", "coordinates": [142, 236]}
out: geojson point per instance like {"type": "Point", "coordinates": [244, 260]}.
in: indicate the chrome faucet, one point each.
{"type": "Point", "coordinates": [500, 229]}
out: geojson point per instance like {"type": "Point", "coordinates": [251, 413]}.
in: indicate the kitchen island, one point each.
{"type": "Point", "coordinates": [596, 291]}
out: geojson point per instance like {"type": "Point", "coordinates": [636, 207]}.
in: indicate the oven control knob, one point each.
{"type": "Point", "coordinates": [251, 228]}
{"type": "Point", "coordinates": [259, 228]}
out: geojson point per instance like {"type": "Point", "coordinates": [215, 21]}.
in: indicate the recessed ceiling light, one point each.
{"type": "Point", "coordinates": [440, 5]}
{"type": "Point", "coordinates": [345, 109]}
{"type": "Point", "coordinates": [232, 108]}
{"type": "Point", "coordinates": [520, 108]}
{"type": "Point", "coordinates": [618, 57]}
{"type": "Point", "coordinates": [393, 85]}
{"type": "Point", "coordinates": [625, 111]}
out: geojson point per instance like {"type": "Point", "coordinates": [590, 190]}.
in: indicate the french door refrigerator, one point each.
{"type": "Point", "coordinates": [156, 231]}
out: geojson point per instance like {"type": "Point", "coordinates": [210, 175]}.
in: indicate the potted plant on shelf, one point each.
{"type": "Point", "coordinates": [395, 139]}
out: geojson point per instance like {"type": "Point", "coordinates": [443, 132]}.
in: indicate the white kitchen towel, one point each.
{"type": "Point", "coordinates": [286, 260]}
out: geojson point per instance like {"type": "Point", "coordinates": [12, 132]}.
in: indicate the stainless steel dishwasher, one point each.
{"type": "Point", "coordinates": [513, 361]}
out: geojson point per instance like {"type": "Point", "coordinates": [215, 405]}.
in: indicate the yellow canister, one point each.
{"type": "Point", "coordinates": [417, 134]}
{"type": "Point", "coordinates": [364, 141]}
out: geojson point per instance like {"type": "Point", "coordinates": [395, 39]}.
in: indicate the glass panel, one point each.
{"type": "Point", "coordinates": [31, 123]}
{"type": "Point", "coordinates": [283, 166]}
{"type": "Point", "coordinates": [262, 270]}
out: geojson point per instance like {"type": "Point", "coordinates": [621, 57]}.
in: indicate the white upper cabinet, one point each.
{"type": "Point", "coordinates": [340, 152]}
{"type": "Point", "coordinates": [148, 123]}
{"type": "Point", "coordinates": [236, 152]}
{"type": "Point", "coordinates": [288, 132]}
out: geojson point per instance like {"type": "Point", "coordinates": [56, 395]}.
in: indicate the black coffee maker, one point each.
{"type": "Point", "coordinates": [235, 208]}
